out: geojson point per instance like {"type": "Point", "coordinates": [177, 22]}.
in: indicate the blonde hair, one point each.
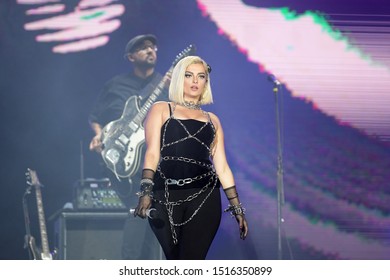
{"type": "Point", "coordinates": [176, 88]}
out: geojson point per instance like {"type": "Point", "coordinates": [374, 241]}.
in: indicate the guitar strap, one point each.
{"type": "Point", "coordinates": [148, 90]}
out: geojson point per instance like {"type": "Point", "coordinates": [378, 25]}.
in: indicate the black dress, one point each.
{"type": "Point", "coordinates": [186, 191]}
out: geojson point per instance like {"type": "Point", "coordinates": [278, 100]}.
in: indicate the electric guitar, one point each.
{"type": "Point", "coordinates": [122, 139]}
{"type": "Point", "coordinates": [44, 254]}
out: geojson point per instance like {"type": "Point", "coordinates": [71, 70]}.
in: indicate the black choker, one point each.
{"type": "Point", "coordinates": [190, 105]}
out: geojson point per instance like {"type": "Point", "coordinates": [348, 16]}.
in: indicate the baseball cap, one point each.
{"type": "Point", "coordinates": [137, 40]}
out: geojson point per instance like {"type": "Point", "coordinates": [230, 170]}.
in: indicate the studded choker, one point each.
{"type": "Point", "coordinates": [190, 105]}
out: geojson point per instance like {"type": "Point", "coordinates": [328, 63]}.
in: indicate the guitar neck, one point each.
{"type": "Point", "coordinates": [138, 119]}
{"type": "Point", "coordinates": [42, 224]}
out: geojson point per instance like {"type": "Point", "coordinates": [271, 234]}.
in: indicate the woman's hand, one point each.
{"type": "Point", "coordinates": [144, 204]}
{"type": "Point", "coordinates": [243, 226]}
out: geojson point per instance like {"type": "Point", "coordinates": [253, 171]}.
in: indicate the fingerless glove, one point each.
{"type": "Point", "coordinates": [235, 207]}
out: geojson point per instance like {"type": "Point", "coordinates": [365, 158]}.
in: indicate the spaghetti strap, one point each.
{"type": "Point", "coordinates": [211, 122]}
{"type": "Point", "coordinates": [209, 118]}
{"type": "Point", "coordinates": [170, 109]}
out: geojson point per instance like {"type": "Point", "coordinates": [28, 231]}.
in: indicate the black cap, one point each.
{"type": "Point", "coordinates": [137, 40]}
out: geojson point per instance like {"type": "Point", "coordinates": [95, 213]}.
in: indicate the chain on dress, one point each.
{"type": "Point", "coordinates": [208, 173]}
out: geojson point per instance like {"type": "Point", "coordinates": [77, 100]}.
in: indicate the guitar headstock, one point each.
{"type": "Point", "coordinates": [190, 50]}
{"type": "Point", "coordinates": [32, 178]}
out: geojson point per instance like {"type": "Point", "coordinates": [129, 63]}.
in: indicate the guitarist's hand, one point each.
{"type": "Point", "coordinates": [144, 204]}
{"type": "Point", "coordinates": [96, 144]}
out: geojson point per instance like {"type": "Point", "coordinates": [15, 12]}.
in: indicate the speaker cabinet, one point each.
{"type": "Point", "coordinates": [89, 235]}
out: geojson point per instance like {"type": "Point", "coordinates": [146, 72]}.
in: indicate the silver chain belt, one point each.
{"type": "Point", "coordinates": [180, 182]}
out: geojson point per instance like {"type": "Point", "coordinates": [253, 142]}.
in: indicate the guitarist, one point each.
{"type": "Point", "coordinates": [141, 51]}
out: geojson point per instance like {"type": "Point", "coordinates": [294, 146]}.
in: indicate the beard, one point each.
{"type": "Point", "coordinates": [147, 63]}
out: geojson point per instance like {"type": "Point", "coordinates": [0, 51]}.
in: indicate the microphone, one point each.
{"type": "Point", "coordinates": [151, 213]}
{"type": "Point", "coordinates": [273, 79]}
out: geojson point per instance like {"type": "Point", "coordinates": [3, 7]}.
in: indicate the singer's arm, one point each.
{"type": "Point", "coordinates": [226, 178]}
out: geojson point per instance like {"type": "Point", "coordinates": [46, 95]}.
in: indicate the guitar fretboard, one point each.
{"type": "Point", "coordinates": [42, 224]}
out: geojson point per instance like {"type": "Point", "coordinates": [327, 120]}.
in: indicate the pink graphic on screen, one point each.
{"type": "Point", "coordinates": [87, 27]}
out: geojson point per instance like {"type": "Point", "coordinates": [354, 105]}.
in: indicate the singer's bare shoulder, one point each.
{"type": "Point", "coordinates": [159, 105]}
{"type": "Point", "coordinates": [159, 112]}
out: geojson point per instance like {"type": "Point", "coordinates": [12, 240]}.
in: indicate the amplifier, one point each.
{"type": "Point", "coordinates": [97, 194]}
{"type": "Point", "coordinates": [89, 235]}
{"type": "Point", "coordinates": [99, 235]}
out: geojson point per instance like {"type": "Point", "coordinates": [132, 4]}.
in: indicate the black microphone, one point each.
{"type": "Point", "coordinates": [273, 79]}
{"type": "Point", "coordinates": [151, 213]}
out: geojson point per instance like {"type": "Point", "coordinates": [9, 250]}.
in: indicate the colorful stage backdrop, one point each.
{"type": "Point", "coordinates": [332, 58]}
